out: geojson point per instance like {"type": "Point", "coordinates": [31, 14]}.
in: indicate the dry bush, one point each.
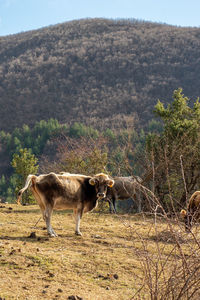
{"type": "Point", "coordinates": [82, 156]}
{"type": "Point", "coordinates": [173, 270]}
{"type": "Point", "coordinates": [170, 272]}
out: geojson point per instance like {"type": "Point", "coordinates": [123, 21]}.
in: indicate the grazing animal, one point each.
{"type": "Point", "coordinates": [124, 188]}
{"type": "Point", "coordinates": [67, 191]}
{"type": "Point", "coordinates": [192, 214]}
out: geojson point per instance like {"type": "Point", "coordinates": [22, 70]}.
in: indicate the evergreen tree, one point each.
{"type": "Point", "coordinates": [3, 187]}
{"type": "Point", "coordinates": [24, 163]}
{"type": "Point", "coordinates": [175, 149]}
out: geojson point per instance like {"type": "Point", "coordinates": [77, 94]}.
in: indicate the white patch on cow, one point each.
{"type": "Point", "coordinates": [47, 216]}
{"type": "Point", "coordinates": [71, 175]}
{"type": "Point", "coordinates": [78, 219]}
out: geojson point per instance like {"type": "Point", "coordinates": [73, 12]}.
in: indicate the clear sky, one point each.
{"type": "Point", "coordinates": [23, 15]}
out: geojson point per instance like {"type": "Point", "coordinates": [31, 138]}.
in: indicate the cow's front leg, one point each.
{"type": "Point", "coordinates": [112, 205]}
{"type": "Point", "coordinates": [78, 214]}
{"type": "Point", "coordinates": [47, 216]}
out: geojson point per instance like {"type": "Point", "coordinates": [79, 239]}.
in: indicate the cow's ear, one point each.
{"type": "Point", "coordinates": [92, 181]}
{"type": "Point", "coordinates": [110, 183]}
{"type": "Point", "coordinates": [183, 213]}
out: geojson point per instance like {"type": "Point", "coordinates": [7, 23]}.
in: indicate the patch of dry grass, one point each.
{"type": "Point", "coordinates": [107, 262]}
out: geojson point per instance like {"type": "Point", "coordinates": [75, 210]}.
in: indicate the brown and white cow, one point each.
{"type": "Point", "coordinates": [124, 188]}
{"type": "Point", "coordinates": [192, 214]}
{"type": "Point", "coordinates": [67, 191]}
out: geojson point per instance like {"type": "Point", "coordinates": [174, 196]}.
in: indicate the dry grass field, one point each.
{"type": "Point", "coordinates": [118, 257]}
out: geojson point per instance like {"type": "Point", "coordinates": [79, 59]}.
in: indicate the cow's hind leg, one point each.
{"type": "Point", "coordinates": [78, 214]}
{"type": "Point", "coordinates": [40, 202]}
{"type": "Point", "coordinates": [47, 216]}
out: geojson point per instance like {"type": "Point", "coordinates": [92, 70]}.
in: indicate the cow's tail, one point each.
{"type": "Point", "coordinates": [30, 179]}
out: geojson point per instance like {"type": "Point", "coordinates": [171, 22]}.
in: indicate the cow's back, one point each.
{"type": "Point", "coordinates": [194, 203]}
{"type": "Point", "coordinates": [125, 188]}
{"type": "Point", "coordinates": [49, 184]}
{"type": "Point", "coordinates": [67, 191]}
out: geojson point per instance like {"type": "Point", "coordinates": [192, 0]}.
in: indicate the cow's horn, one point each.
{"type": "Point", "coordinates": [92, 181]}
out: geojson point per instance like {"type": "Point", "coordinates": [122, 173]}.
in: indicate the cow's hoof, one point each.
{"type": "Point", "coordinates": [78, 233]}
{"type": "Point", "coordinates": [52, 234]}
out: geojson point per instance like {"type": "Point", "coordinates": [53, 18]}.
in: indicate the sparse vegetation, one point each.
{"type": "Point", "coordinates": [118, 257]}
{"type": "Point", "coordinates": [86, 70]}
{"type": "Point", "coordinates": [92, 70]}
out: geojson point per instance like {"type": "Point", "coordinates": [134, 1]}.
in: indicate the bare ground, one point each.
{"type": "Point", "coordinates": [107, 262]}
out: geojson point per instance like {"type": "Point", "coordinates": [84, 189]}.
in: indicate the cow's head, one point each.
{"type": "Point", "coordinates": [101, 182]}
{"type": "Point", "coordinates": [187, 218]}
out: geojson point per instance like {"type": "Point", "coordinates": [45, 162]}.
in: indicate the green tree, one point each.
{"type": "Point", "coordinates": [179, 118]}
{"type": "Point", "coordinates": [80, 159]}
{"type": "Point", "coordinates": [3, 186]}
{"type": "Point", "coordinates": [176, 149]}
{"type": "Point", "coordinates": [24, 163]}
{"type": "Point", "coordinates": [9, 195]}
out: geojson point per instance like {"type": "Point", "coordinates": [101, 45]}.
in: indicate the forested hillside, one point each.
{"type": "Point", "coordinates": [80, 96]}
{"type": "Point", "coordinates": [95, 69]}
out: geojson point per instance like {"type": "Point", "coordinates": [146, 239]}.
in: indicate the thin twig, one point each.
{"type": "Point", "coordinates": [183, 175]}
{"type": "Point", "coordinates": [37, 222]}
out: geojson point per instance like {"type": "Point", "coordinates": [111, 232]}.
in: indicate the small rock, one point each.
{"type": "Point", "coordinates": [74, 298]}
{"type": "Point", "coordinates": [32, 235]}
{"type": "Point", "coordinates": [30, 265]}
{"type": "Point", "coordinates": [50, 274]}
{"type": "Point", "coordinates": [12, 252]}
{"type": "Point", "coordinates": [60, 290]}
{"type": "Point", "coordinates": [96, 236]}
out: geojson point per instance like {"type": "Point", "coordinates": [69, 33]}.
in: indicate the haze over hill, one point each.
{"type": "Point", "coordinates": [95, 71]}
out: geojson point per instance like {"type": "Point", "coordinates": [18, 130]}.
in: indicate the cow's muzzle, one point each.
{"type": "Point", "coordinates": [101, 195]}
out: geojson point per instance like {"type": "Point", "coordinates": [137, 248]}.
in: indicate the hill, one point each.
{"type": "Point", "coordinates": [118, 257]}
{"type": "Point", "coordinates": [95, 69]}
